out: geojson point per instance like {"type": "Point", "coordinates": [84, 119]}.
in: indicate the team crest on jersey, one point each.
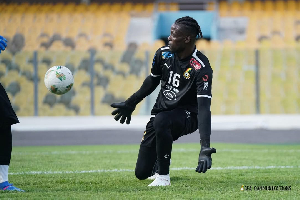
{"type": "Point", "coordinates": [195, 64]}
{"type": "Point", "coordinates": [187, 74]}
{"type": "Point", "coordinates": [166, 55]}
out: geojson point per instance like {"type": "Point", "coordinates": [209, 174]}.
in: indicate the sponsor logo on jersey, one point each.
{"type": "Point", "coordinates": [205, 86]}
{"type": "Point", "coordinates": [167, 65]}
{"type": "Point", "coordinates": [194, 63]}
{"type": "Point", "coordinates": [205, 78]}
{"type": "Point", "coordinates": [186, 74]}
{"type": "Point", "coordinates": [169, 94]}
{"type": "Point", "coordinates": [188, 114]}
{"type": "Point", "coordinates": [166, 55]}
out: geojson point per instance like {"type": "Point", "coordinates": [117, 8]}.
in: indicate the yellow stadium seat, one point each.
{"type": "Point", "coordinates": [11, 76]}
{"type": "Point", "coordinates": [269, 5]}
{"type": "Point", "coordinates": [57, 46]}
{"type": "Point", "coordinates": [280, 5]}
{"type": "Point", "coordinates": [275, 107]}
{"type": "Point", "coordinates": [290, 89]}
{"type": "Point", "coordinates": [247, 107]}
{"type": "Point", "coordinates": [149, 7]}
{"type": "Point", "coordinates": [138, 7]}
{"type": "Point", "coordinates": [215, 44]}
{"type": "Point", "coordinates": [2, 69]}
{"type": "Point", "coordinates": [69, 112]}
{"type": "Point", "coordinates": [44, 110]}
{"type": "Point", "coordinates": [224, 12]}
{"type": "Point", "coordinates": [99, 93]}
{"type": "Point", "coordinates": [127, 6]}
{"type": "Point", "coordinates": [58, 109]}
{"type": "Point", "coordinates": [145, 46]}
{"type": "Point", "coordinates": [157, 44]}
{"type": "Point", "coordinates": [202, 44]}
{"type": "Point", "coordinates": [257, 5]}
{"type": "Point", "coordinates": [173, 7]}
{"type": "Point", "coordinates": [291, 5]}
{"type": "Point", "coordinates": [211, 6]}
{"type": "Point", "coordinates": [216, 106]}
{"type": "Point", "coordinates": [246, 6]}
{"type": "Point", "coordinates": [289, 106]}
{"type": "Point", "coordinates": [235, 9]}
{"type": "Point", "coordinates": [277, 41]}
{"type": "Point", "coordinates": [103, 109]}
{"type": "Point", "coordinates": [223, 6]}
{"type": "Point", "coordinates": [162, 6]}
{"type": "Point", "coordinates": [21, 99]}
{"type": "Point", "coordinates": [80, 77]}
{"type": "Point", "coordinates": [26, 111]}
{"type": "Point", "coordinates": [98, 67]}
{"type": "Point", "coordinates": [230, 107]}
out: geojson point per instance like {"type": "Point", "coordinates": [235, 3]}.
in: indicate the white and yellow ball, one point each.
{"type": "Point", "coordinates": [59, 80]}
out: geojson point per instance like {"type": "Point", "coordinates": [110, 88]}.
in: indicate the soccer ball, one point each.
{"type": "Point", "coordinates": [59, 80]}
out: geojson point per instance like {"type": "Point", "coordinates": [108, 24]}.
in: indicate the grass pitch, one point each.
{"type": "Point", "coordinates": [107, 172]}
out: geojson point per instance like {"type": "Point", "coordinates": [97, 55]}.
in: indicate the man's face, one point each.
{"type": "Point", "coordinates": [177, 39]}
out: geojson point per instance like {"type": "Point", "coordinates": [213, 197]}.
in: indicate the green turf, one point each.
{"type": "Point", "coordinates": [87, 172]}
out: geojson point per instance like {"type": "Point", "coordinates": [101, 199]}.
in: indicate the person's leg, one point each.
{"type": "Point", "coordinates": [5, 152]}
{"type": "Point", "coordinates": [5, 157]}
{"type": "Point", "coordinates": [145, 162]}
{"type": "Point", "coordinates": [169, 126]}
{"type": "Point", "coordinates": [147, 153]}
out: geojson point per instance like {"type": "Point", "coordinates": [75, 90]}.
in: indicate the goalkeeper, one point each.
{"type": "Point", "coordinates": [182, 106]}
{"type": "Point", "coordinates": [7, 118]}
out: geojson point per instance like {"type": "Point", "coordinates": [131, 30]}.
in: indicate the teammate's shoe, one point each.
{"type": "Point", "coordinates": [6, 186]}
{"type": "Point", "coordinates": [161, 180]}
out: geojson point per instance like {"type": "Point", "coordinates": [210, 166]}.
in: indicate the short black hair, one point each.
{"type": "Point", "coordinates": [191, 24]}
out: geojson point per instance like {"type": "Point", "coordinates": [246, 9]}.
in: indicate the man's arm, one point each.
{"type": "Point", "coordinates": [204, 83]}
{"type": "Point", "coordinates": [148, 86]}
{"type": "Point", "coordinates": [204, 126]}
{"type": "Point", "coordinates": [204, 120]}
{"type": "Point", "coordinates": [125, 109]}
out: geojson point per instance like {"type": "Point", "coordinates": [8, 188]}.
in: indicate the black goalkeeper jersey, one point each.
{"type": "Point", "coordinates": [182, 81]}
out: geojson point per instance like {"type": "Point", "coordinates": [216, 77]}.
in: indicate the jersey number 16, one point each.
{"type": "Point", "coordinates": [175, 81]}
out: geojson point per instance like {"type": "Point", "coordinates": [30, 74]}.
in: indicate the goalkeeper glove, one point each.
{"type": "Point", "coordinates": [3, 44]}
{"type": "Point", "coordinates": [205, 161]}
{"type": "Point", "coordinates": [124, 109]}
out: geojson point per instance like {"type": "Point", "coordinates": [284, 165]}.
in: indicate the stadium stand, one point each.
{"type": "Point", "coordinates": [69, 34]}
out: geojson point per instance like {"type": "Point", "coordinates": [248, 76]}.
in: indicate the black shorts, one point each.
{"type": "Point", "coordinates": [183, 123]}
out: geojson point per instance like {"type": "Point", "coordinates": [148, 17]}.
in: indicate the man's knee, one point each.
{"type": "Point", "coordinates": [162, 122]}
{"type": "Point", "coordinates": [141, 174]}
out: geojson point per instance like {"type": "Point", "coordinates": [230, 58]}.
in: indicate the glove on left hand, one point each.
{"type": "Point", "coordinates": [205, 161]}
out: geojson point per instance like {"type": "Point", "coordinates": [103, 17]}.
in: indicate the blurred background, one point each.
{"type": "Point", "coordinates": [253, 48]}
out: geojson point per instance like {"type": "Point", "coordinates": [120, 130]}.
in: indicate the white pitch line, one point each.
{"type": "Point", "coordinates": [136, 151]}
{"type": "Point", "coordinates": [129, 170]}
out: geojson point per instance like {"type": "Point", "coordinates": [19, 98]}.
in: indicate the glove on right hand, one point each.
{"type": "Point", "coordinates": [205, 161]}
